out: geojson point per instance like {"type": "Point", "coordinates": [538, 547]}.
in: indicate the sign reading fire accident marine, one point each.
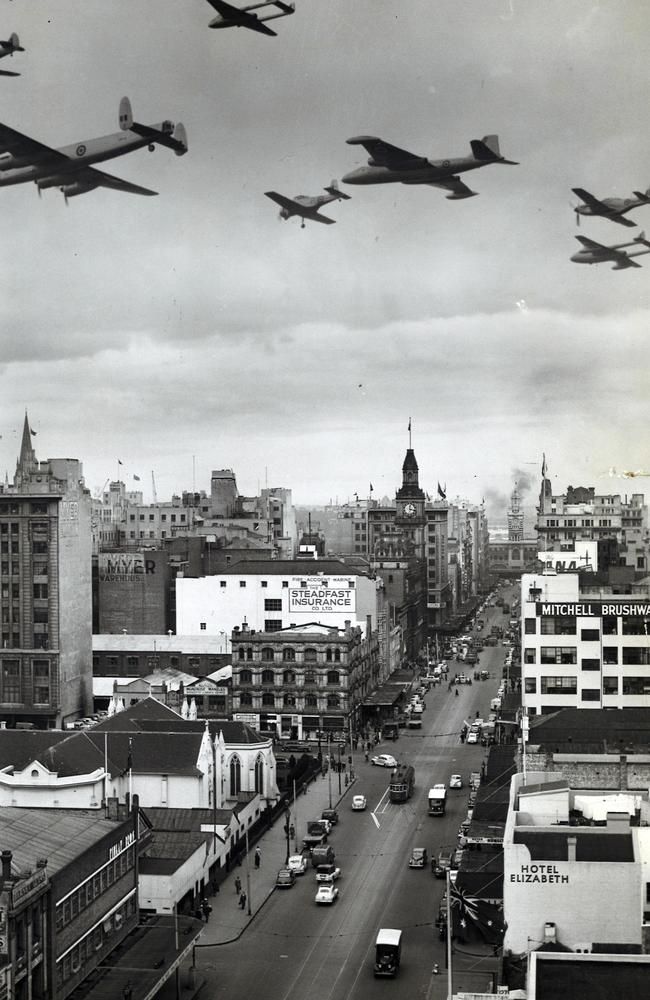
{"type": "Point", "coordinates": [317, 595]}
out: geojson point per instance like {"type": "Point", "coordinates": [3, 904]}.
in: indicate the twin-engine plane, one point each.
{"type": "Point", "coordinates": [610, 208]}
{"type": "Point", "coordinates": [596, 253]}
{"type": "Point", "coordinates": [307, 207]}
{"type": "Point", "coordinates": [389, 164]}
{"type": "Point", "coordinates": [7, 48]}
{"type": "Point", "coordinates": [23, 159]}
{"type": "Point", "coordinates": [229, 16]}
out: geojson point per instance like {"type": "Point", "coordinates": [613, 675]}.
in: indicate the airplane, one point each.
{"type": "Point", "coordinates": [242, 17]}
{"type": "Point", "coordinates": [388, 164]}
{"type": "Point", "coordinates": [609, 208]}
{"type": "Point", "coordinates": [306, 207]}
{"type": "Point", "coordinates": [7, 49]}
{"type": "Point", "coordinates": [595, 253]}
{"type": "Point", "coordinates": [69, 168]}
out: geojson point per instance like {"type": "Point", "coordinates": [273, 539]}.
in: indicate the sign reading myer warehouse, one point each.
{"type": "Point", "coordinates": [317, 595]}
{"type": "Point", "coordinates": [591, 609]}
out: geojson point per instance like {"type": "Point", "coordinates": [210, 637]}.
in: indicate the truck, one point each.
{"type": "Point", "coordinates": [414, 721]}
{"type": "Point", "coordinates": [316, 834]}
{"type": "Point", "coordinates": [390, 731]}
{"type": "Point", "coordinates": [437, 800]}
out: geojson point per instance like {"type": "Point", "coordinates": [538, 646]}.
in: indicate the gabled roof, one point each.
{"type": "Point", "coordinates": [128, 719]}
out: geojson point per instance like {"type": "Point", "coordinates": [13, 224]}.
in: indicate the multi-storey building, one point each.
{"type": "Point", "coordinates": [343, 528]}
{"type": "Point", "coordinates": [45, 567]}
{"type": "Point", "coordinates": [583, 646]}
{"type": "Point", "coordinates": [305, 680]}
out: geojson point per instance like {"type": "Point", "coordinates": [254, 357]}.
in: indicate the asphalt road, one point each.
{"type": "Point", "coordinates": [296, 950]}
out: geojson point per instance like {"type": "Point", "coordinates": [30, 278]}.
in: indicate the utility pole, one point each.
{"type": "Point", "coordinates": [295, 817]}
{"type": "Point", "coordinates": [248, 877]}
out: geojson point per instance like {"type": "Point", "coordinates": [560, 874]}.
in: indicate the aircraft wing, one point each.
{"type": "Point", "coordinates": [240, 17]}
{"type": "Point", "coordinates": [591, 244]}
{"type": "Point", "coordinates": [284, 202]}
{"type": "Point", "coordinates": [315, 216]}
{"type": "Point", "coordinates": [454, 185]}
{"type": "Point", "coordinates": [385, 155]}
{"type": "Point", "coordinates": [601, 208]}
{"type": "Point", "coordinates": [21, 146]}
{"type": "Point", "coordinates": [101, 179]}
{"type": "Point", "coordinates": [7, 72]}
{"type": "Point", "coordinates": [622, 221]}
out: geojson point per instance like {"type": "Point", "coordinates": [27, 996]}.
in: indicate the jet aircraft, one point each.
{"type": "Point", "coordinates": [610, 208]}
{"type": "Point", "coordinates": [595, 253]}
{"type": "Point", "coordinates": [69, 168]}
{"type": "Point", "coordinates": [7, 49]}
{"type": "Point", "coordinates": [307, 207]}
{"type": "Point", "coordinates": [389, 164]}
{"type": "Point", "coordinates": [229, 16]}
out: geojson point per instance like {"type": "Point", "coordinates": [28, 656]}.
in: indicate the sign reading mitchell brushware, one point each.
{"type": "Point", "coordinates": [315, 594]}
{"type": "Point", "coordinates": [592, 609]}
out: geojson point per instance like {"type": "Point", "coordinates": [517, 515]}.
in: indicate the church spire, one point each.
{"type": "Point", "coordinates": [27, 460]}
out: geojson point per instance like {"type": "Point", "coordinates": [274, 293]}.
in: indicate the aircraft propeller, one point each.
{"type": "Point", "coordinates": [575, 209]}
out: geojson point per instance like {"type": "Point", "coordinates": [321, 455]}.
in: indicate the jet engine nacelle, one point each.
{"type": "Point", "coordinates": [79, 187]}
{"type": "Point", "coordinates": [49, 182]}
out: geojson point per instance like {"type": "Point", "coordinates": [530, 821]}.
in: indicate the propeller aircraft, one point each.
{"type": "Point", "coordinates": [610, 208]}
{"type": "Point", "coordinates": [7, 49]}
{"type": "Point", "coordinates": [229, 16]}
{"type": "Point", "coordinates": [69, 168]}
{"type": "Point", "coordinates": [389, 164]}
{"type": "Point", "coordinates": [595, 253]}
{"type": "Point", "coordinates": [307, 207]}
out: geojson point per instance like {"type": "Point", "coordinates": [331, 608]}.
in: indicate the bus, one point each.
{"type": "Point", "coordinates": [437, 800]}
{"type": "Point", "coordinates": [402, 782]}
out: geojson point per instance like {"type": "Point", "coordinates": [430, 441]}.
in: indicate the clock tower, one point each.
{"type": "Point", "coordinates": [409, 498]}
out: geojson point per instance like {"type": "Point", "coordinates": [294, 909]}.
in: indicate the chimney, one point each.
{"type": "Point", "coordinates": [550, 933]}
{"type": "Point", "coordinates": [571, 842]}
{"type": "Point", "coordinates": [6, 865]}
{"type": "Point", "coordinates": [368, 626]}
{"type": "Point", "coordinates": [348, 628]}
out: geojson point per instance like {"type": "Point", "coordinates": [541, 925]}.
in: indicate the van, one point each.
{"type": "Point", "coordinates": [388, 952]}
{"type": "Point", "coordinates": [323, 855]}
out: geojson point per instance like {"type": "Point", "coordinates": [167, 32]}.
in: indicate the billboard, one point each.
{"type": "Point", "coordinates": [124, 567]}
{"type": "Point", "coordinates": [317, 595]}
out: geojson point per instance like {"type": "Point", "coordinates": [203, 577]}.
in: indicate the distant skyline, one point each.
{"type": "Point", "coordinates": [195, 330]}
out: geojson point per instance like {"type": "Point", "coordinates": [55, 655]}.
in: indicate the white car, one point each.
{"type": "Point", "coordinates": [326, 893]}
{"type": "Point", "coordinates": [358, 802]}
{"type": "Point", "coordinates": [327, 873]}
{"type": "Point", "coordinates": [297, 863]}
{"type": "Point", "coordinates": [456, 781]}
{"type": "Point", "coordinates": [472, 736]}
{"type": "Point", "coordinates": [383, 760]}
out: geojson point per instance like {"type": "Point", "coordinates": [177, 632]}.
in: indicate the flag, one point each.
{"type": "Point", "coordinates": [479, 914]}
{"type": "Point", "coordinates": [543, 465]}
{"type": "Point", "coordinates": [442, 493]}
{"type": "Point", "coordinates": [409, 425]}
{"type": "Point", "coordinates": [32, 432]}
{"type": "Point", "coordinates": [371, 487]}
{"type": "Point", "coordinates": [119, 461]}
{"type": "Point", "coordinates": [137, 478]}
{"type": "Point", "coordinates": [129, 758]}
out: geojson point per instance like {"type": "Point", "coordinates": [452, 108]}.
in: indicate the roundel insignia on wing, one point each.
{"type": "Point", "coordinates": [80, 150]}
{"type": "Point", "coordinates": [445, 163]}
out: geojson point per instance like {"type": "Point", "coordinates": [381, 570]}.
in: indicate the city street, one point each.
{"type": "Point", "coordinates": [298, 949]}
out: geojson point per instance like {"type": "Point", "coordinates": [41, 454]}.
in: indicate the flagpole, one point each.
{"type": "Point", "coordinates": [449, 976]}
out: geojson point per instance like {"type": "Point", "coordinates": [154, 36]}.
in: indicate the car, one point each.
{"type": "Point", "coordinates": [442, 863]}
{"type": "Point", "coordinates": [358, 802]}
{"type": "Point", "coordinates": [472, 736]}
{"type": "Point", "coordinates": [327, 873]}
{"type": "Point", "coordinates": [330, 815]}
{"type": "Point", "coordinates": [297, 863]}
{"type": "Point", "coordinates": [325, 825]}
{"type": "Point", "coordinates": [326, 893]}
{"type": "Point", "coordinates": [418, 858]}
{"type": "Point", "coordinates": [285, 878]}
{"type": "Point", "coordinates": [462, 679]}
{"type": "Point", "coordinates": [456, 781]}
{"type": "Point", "coordinates": [383, 760]}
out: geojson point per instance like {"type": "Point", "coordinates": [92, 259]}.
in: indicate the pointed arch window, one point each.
{"type": "Point", "coordinates": [235, 776]}
{"type": "Point", "coordinates": [259, 775]}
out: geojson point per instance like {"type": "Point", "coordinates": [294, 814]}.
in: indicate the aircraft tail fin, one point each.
{"type": "Point", "coordinates": [180, 135]}
{"type": "Point", "coordinates": [288, 8]}
{"type": "Point", "coordinates": [125, 114]}
{"type": "Point", "coordinates": [641, 196]}
{"type": "Point", "coordinates": [641, 239]}
{"type": "Point", "coordinates": [334, 190]}
{"type": "Point", "coordinates": [14, 41]}
{"type": "Point", "coordinates": [487, 149]}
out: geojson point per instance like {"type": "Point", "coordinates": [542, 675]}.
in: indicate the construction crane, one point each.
{"type": "Point", "coordinates": [153, 488]}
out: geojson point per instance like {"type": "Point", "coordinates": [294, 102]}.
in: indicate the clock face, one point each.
{"type": "Point", "coordinates": [409, 510]}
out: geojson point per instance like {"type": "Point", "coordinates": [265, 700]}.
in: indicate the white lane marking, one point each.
{"type": "Point", "coordinates": [375, 820]}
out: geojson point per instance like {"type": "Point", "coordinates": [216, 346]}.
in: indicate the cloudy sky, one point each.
{"type": "Point", "coordinates": [196, 330]}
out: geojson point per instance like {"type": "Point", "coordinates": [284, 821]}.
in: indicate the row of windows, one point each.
{"type": "Point", "coordinates": [93, 887]}
{"type": "Point", "coordinates": [84, 952]}
{"type": "Point", "coordinates": [289, 654]}
{"type": "Point", "coordinates": [288, 700]}
{"type": "Point", "coordinates": [287, 677]}
{"type": "Point", "coordinates": [630, 655]}
{"type": "Point", "coordinates": [285, 583]}
{"type": "Point", "coordinates": [163, 517]}
{"type": "Point", "coordinates": [631, 625]}
{"type": "Point", "coordinates": [568, 685]}
{"type": "Point", "coordinates": [13, 683]}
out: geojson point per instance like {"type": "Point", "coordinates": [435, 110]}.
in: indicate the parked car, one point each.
{"type": "Point", "coordinates": [331, 815]}
{"type": "Point", "coordinates": [327, 873]}
{"type": "Point", "coordinates": [297, 863]}
{"type": "Point", "coordinates": [326, 893]}
{"type": "Point", "coordinates": [383, 760]}
{"type": "Point", "coordinates": [418, 858]}
{"type": "Point", "coordinates": [442, 863]}
{"type": "Point", "coordinates": [285, 878]}
{"type": "Point", "coordinates": [456, 781]}
{"type": "Point", "coordinates": [358, 802]}
{"type": "Point", "coordinates": [472, 736]}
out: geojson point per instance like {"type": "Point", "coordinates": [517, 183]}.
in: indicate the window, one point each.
{"type": "Point", "coordinates": [310, 656]}
{"type": "Point", "coordinates": [268, 654]}
{"type": "Point", "coordinates": [40, 589]}
{"type": "Point", "coordinates": [268, 677]}
{"type": "Point", "coordinates": [636, 685]}
{"type": "Point", "coordinates": [636, 626]}
{"type": "Point", "coordinates": [559, 685]}
{"type": "Point", "coordinates": [285, 583]}
{"type": "Point", "coordinates": [610, 625]}
{"type": "Point", "coordinates": [530, 626]}
{"type": "Point", "coordinates": [558, 654]}
{"type": "Point", "coordinates": [202, 626]}
{"type": "Point", "coordinates": [333, 701]}
{"type": "Point", "coordinates": [610, 654]}
{"type": "Point", "coordinates": [273, 625]}
{"type": "Point", "coordinates": [242, 583]}
{"type": "Point", "coordinates": [38, 548]}
{"type": "Point", "coordinates": [11, 682]}
{"type": "Point", "coordinates": [530, 685]}
{"type": "Point", "coordinates": [311, 701]}
{"type": "Point", "coordinates": [246, 698]}
{"type": "Point", "coordinates": [268, 699]}
{"type": "Point", "coordinates": [288, 677]}
{"type": "Point", "coordinates": [590, 694]}
{"type": "Point", "coordinates": [333, 677]}
{"type": "Point", "coordinates": [41, 670]}
{"type": "Point", "coordinates": [529, 656]}
{"type": "Point", "coordinates": [636, 654]}
{"type": "Point", "coordinates": [259, 775]}
{"type": "Point", "coordinates": [241, 653]}
{"type": "Point", "coordinates": [132, 661]}
{"type": "Point", "coordinates": [558, 626]}
{"type": "Point", "coordinates": [245, 676]}
{"type": "Point", "coordinates": [273, 604]}
{"type": "Point", "coordinates": [590, 664]}
{"type": "Point", "coordinates": [288, 654]}
{"type": "Point", "coordinates": [289, 700]}
{"type": "Point", "coordinates": [222, 583]}
{"type": "Point", "coordinates": [263, 583]}
{"type": "Point", "coordinates": [235, 776]}
{"type": "Point", "coordinates": [310, 676]}
{"type": "Point", "coordinates": [590, 635]}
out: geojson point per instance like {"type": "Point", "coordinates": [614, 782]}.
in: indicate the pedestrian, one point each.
{"type": "Point", "coordinates": [215, 887]}
{"type": "Point", "coordinates": [258, 857]}
{"type": "Point", "coordinates": [206, 909]}
{"type": "Point", "coordinates": [127, 992]}
{"type": "Point", "coordinates": [367, 756]}
{"type": "Point", "coordinates": [238, 885]}
{"type": "Point", "coordinates": [242, 900]}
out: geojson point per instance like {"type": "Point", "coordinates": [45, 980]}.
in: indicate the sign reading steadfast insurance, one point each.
{"type": "Point", "coordinates": [314, 594]}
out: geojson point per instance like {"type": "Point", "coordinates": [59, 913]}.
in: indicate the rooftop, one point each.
{"type": "Point", "coordinates": [60, 835]}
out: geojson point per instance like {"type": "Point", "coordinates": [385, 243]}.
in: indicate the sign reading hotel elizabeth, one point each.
{"type": "Point", "coordinates": [318, 596]}
{"type": "Point", "coordinates": [592, 609]}
{"type": "Point", "coordinates": [540, 873]}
